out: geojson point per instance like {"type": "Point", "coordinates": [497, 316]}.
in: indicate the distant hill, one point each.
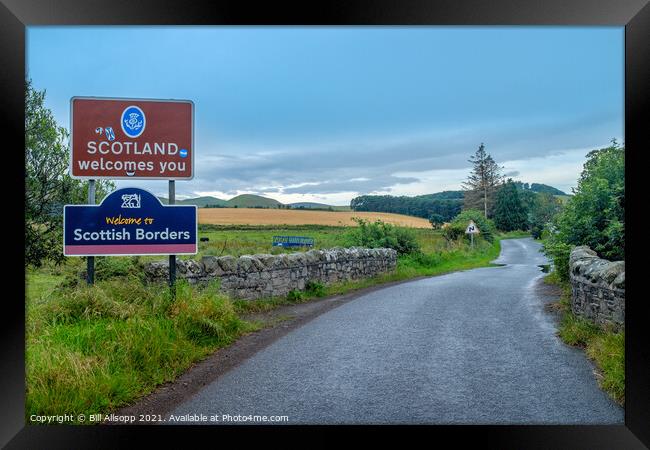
{"type": "Point", "coordinates": [252, 201]}
{"type": "Point", "coordinates": [314, 205]}
{"type": "Point", "coordinates": [201, 202]}
{"type": "Point", "coordinates": [539, 187]}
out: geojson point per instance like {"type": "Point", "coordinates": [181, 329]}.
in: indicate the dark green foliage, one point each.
{"type": "Point", "coordinates": [380, 234]}
{"type": "Point", "coordinates": [48, 185]}
{"type": "Point", "coordinates": [446, 204]}
{"type": "Point", "coordinates": [510, 213]}
{"type": "Point", "coordinates": [107, 267]}
{"type": "Point", "coordinates": [295, 295]}
{"type": "Point", "coordinates": [595, 214]}
{"type": "Point", "coordinates": [315, 288]}
{"type": "Point", "coordinates": [543, 210]}
{"type": "Point", "coordinates": [538, 188]}
{"type": "Point", "coordinates": [436, 221]}
{"type": "Point", "coordinates": [458, 226]}
{"type": "Point", "coordinates": [559, 252]}
{"type": "Point", "coordinates": [482, 183]}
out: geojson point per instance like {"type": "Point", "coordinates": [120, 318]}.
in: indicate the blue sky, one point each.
{"type": "Point", "coordinates": [327, 113]}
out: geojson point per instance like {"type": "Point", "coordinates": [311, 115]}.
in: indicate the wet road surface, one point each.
{"type": "Point", "coordinates": [472, 347]}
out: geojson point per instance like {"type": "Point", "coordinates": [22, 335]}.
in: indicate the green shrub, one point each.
{"type": "Point", "coordinates": [107, 267]}
{"type": "Point", "coordinates": [485, 226]}
{"type": "Point", "coordinates": [295, 295]}
{"type": "Point", "coordinates": [595, 214]}
{"type": "Point", "coordinates": [436, 221]}
{"type": "Point", "coordinates": [453, 232]}
{"type": "Point", "coordinates": [380, 234]}
{"type": "Point", "coordinates": [315, 288]}
{"type": "Point", "coordinates": [536, 230]}
{"type": "Point", "coordinates": [559, 253]}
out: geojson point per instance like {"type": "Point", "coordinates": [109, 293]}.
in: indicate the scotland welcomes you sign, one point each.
{"type": "Point", "coordinates": [129, 221]}
{"type": "Point", "coordinates": [131, 138]}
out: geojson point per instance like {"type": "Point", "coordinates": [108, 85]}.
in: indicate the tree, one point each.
{"type": "Point", "coordinates": [48, 185]}
{"type": "Point", "coordinates": [595, 214]}
{"type": "Point", "coordinates": [510, 212]}
{"type": "Point", "coordinates": [482, 182]}
{"type": "Point", "coordinates": [447, 204]}
{"type": "Point", "coordinates": [543, 210]}
{"type": "Point", "coordinates": [436, 221]}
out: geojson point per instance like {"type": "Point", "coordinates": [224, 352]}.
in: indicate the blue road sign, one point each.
{"type": "Point", "coordinates": [129, 221]}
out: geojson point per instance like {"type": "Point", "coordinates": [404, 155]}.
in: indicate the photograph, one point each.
{"type": "Point", "coordinates": [384, 218]}
{"type": "Point", "coordinates": [325, 225]}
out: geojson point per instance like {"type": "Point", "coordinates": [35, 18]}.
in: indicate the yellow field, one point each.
{"type": "Point", "coordinates": [252, 216]}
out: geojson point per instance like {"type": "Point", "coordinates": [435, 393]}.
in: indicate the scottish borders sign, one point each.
{"type": "Point", "coordinates": [129, 221]}
{"type": "Point", "coordinates": [130, 138]}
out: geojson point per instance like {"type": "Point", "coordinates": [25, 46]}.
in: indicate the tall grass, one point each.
{"type": "Point", "coordinates": [92, 349]}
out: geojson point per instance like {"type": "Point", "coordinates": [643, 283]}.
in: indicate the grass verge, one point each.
{"type": "Point", "coordinates": [605, 347]}
{"type": "Point", "coordinates": [92, 349]}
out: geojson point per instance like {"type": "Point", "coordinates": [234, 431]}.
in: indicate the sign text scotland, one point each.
{"type": "Point", "coordinates": [131, 138]}
{"type": "Point", "coordinates": [129, 221]}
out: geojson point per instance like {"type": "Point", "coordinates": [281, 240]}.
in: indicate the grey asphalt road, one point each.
{"type": "Point", "coordinates": [472, 347]}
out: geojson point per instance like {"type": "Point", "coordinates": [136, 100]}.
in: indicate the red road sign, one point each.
{"type": "Point", "coordinates": [131, 138]}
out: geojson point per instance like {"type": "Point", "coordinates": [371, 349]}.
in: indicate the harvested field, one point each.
{"type": "Point", "coordinates": [252, 216]}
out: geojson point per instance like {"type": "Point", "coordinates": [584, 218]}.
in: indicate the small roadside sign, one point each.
{"type": "Point", "coordinates": [472, 228]}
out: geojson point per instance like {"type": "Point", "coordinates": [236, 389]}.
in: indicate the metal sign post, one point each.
{"type": "Point", "coordinates": [90, 260]}
{"type": "Point", "coordinates": [172, 258]}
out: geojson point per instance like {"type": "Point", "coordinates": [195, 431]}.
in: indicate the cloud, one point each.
{"type": "Point", "coordinates": [401, 164]}
{"type": "Point", "coordinates": [384, 183]}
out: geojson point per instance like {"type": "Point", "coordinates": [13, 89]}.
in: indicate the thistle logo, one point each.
{"type": "Point", "coordinates": [133, 121]}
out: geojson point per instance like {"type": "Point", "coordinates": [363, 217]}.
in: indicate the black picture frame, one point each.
{"type": "Point", "coordinates": [15, 15]}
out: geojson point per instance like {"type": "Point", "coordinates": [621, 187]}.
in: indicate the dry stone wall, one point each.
{"type": "Point", "coordinates": [598, 287]}
{"type": "Point", "coordinates": [258, 276]}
